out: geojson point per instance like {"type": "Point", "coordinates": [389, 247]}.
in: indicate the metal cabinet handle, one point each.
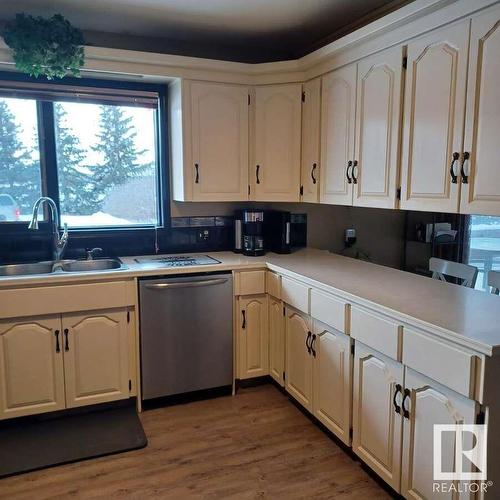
{"type": "Point", "coordinates": [197, 168]}
{"type": "Point", "coordinates": [349, 166]}
{"type": "Point", "coordinates": [244, 321]}
{"type": "Point", "coordinates": [257, 168]}
{"type": "Point", "coordinates": [465, 177]}
{"type": "Point", "coordinates": [398, 390]}
{"type": "Point", "coordinates": [354, 166]}
{"type": "Point", "coordinates": [454, 159]}
{"type": "Point", "coordinates": [66, 341]}
{"type": "Point", "coordinates": [307, 342]}
{"type": "Point", "coordinates": [406, 413]}
{"type": "Point", "coordinates": [58, 347]}
{"type": "Point", "coordinates": [313, 341]}
{"type": "Point", "coordinates": [313, 177]}
{"type": "Point", "coordinates": [185, 284]}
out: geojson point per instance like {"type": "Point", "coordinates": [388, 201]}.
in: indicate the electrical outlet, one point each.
{"type": "Point", "coordinates": [202, 235]}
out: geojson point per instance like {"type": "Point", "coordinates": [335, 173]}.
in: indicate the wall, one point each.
{"type": "Point", "coordinates": [380, 232]}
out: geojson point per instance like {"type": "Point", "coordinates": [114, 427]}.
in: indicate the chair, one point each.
{"type": "Point", "coordinates": [441, 268]}
{"type": "Point", "coordinates": [494, 282]}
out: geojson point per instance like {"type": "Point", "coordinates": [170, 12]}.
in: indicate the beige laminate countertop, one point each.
{"type": "Point", "coordinates": [468, 317]}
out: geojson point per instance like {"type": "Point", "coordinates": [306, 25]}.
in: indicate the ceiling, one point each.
{"type": "Point", "coordinates": [244, 30]}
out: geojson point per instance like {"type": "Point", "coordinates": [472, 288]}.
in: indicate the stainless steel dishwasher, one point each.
{"type": "Point", "coordinates": [186, 327]}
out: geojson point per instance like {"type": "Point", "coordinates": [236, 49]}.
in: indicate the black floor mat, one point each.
{"type": "Point", "coordinates": [31, 444]}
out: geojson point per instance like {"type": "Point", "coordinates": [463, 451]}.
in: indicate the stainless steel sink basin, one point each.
{"type": "Point", "coordinates": [26, 269]}
{"type": "Point", "coordinates": [91, 265]}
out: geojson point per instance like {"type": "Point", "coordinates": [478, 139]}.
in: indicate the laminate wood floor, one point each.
{"type": "Point", "coordinates": [255, 445]}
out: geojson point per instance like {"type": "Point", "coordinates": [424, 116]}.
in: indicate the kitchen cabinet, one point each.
{"type": "Point", "coordinates": [434, 114]}
{"type": "Point", "coordinates": [276, 173]}
{"type": "Point", "coordinates": [31, 366]}
{"type": "Point", "coordinates": [377, 426]}
{"type": "Point", "coordinates": [311, 121]}
{"type": "Point", "coordinates": [95, 357]}
{"type": "Point", "coordinates": [276, 340]}
{"type": "Point", "coordinates": [219, 141]}
{"type": "Point", "coordinates": [378, 124]}
{"type": "Point", "coordinates": [332, 380]}
{"type": "Point", "coordinates": [298, 379]}
{"type": "Point", "coordinates": [253, 337]}
{"type": "Point", "coordinates": [428, 404]}
{"type": "Point", "coordinates": [338, 108]}
{"type": "Point", "coordinates": [480, 176]}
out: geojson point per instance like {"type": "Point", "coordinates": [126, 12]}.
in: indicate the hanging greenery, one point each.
{"type": "Point", "coordinates": [49, 47]}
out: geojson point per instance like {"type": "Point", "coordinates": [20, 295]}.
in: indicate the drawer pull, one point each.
{"type": "Point", "coordinates": [197, 168]}
{"type": "Point", "coordinates": [399, 390]}
{"type": "Point", "coordinates": [313, 177]}
{"type": "Point", "coordinates": [307, 342]}
{"type": "Point", "coordinates": [257, 179]}
{"type": "Point", "coordinates": [354, 167]}
{"type": "Point", "coordinates": [244, 322]}
{"type": "Point", "coordinates": [58, 347]}
{"type": "Point", "coordinates": [465, 177]}
{"type": "Point", "coordinates": [349, 165]}
{"type": "Point", "coordinates": [66, 341]}
{"type": "Point", "coordinates": [454, 159]}
{"type": "Point", "coordinates": [313, 341]}
{"type": "Point", "coordinates": [406, 413]}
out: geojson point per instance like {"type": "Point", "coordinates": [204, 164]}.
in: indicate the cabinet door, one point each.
{"type": "Point", "coordinates": [481, 193]}
{"type": "Point", "coordinates": [378, 114]}
{"type": "Point", "coordinates": [376, 425]}
{"type": "Point", "coordinates": [95, 357]}
{"type": "Point", "coordinates": [31, 366]}
{"type": "Point", "coordinates": [219, 125]}
{"type": "Point", "coordinates": [253, 337]}
{"type": "Point", "coordinates": [311, 114]}
{"type": "Point", "coordinates": [433, 119]}
{"type": "Point", "coordinates": [276, 340]}
{"type": "Point", "coordinates": [338, 106]}
{"type": "Point", "coordinates": [298, 379]}
{"type": "Point", "coordinates": [332, 380]}
{"type": "Point", "coordinates": [431, 404]}
{"type": "Point", "coordinates": [276, 173]}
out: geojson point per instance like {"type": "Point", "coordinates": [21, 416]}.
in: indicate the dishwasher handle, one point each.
{"type": "Point", "coordinates": [185, 284]}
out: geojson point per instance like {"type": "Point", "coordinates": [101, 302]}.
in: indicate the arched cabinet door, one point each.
{"type": "Point", "coordinates": [253, 337]}
{"type": "Point", "coordinates": [31, 366]}
{"type": "Point", "coordinates": [434, 114]}
{"type": "Point", "coordinates": [95, 357]}
{"type": "Point", "coordinates": [377, 426]}
{"type": "Point", "coordinates": [480, 168]}
{"type": "Point", "coordinates": [428, 403]}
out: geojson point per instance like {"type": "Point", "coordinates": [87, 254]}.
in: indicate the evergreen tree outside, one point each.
{"type": "Point", "coordinates": [19, 168]}
{"type": "Point", "coordinates": [76, 190]}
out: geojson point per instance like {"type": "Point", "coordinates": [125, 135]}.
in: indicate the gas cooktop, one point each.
{"type": "Point", "coordinates": [178, 260]}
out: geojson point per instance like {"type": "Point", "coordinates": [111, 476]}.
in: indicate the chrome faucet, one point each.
{"type": "Point", "coordinates": [59, 242]}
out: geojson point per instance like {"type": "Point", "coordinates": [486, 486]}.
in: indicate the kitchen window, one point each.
{"type": "Point", "coordinates": [93, 146]}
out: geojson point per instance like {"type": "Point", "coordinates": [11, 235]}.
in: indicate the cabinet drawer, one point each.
{"type": "Point", "coordinates": [329, 309]}
{"type": "Point", "coordinates": [250, 283]}
{"type": "Point", "coordinates": [273, 284]}
{"type": "Point", "coordinates": [440, 361]}
{"type": "Point", "coordinates": [377, 332]}
{"type": "Point", "coordinates": [295, 294]}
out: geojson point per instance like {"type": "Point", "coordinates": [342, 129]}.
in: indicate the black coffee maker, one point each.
{"type": "Point", "coordinates": [249, 232]}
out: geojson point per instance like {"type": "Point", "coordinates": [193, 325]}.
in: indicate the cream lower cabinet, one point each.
{"type": "Point", "coordinates": [332, 384]}
{"type": "Point", "coordinates": [253, 336]}
{"type": "Point", "coordinates": [95, 357]}
{"type": "Point", "coordinates": [276, 340]}
{"type": "Point", "coordinates": [377, 427]}
{"type": "Point", "coordinates": [429, 404]}
{"type": "Point", "coordinates": [299, 359]}
{"type": "Point", "coordinates": [31, 366]}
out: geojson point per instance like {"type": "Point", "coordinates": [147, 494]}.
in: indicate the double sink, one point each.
{"type": "Point", "coordinates": [63, 266]}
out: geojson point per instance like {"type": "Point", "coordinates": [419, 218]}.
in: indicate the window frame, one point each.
{"type": "Point", "coordinates": [49, 169]}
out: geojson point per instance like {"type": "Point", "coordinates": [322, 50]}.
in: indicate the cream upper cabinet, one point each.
{"type": "Point", "coordinates": [31, 366]}
{"type": "Point", "coordinates": [253, 337]}
{"type": "Point", "coordinates": [338, 108]}
{"type": "Point", "coordinates": [428, 404]}
{"type": "Point", "coordinates": [298, 380]}
{"type": "Point", "coordinates": [275, 176]}
{"type": "Point", "coordinates": [95, 357]}
{"type": "Point", "coordinates": [378, 125]}
{"type": "Point", "coordinates": [311, 121]}
{"type": "Point", "coordinates": [219, 141]}
{"type": "Point", "coordinates": [276, 340]}
{"type": "Point", "coordinates": [480, 173]}
{"type": "Point", "coordinates": [332, 380]}
{"type": "Point", "coordinates": [434, 114]}
{"type": "Point", "coordinates": [377, 427]}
